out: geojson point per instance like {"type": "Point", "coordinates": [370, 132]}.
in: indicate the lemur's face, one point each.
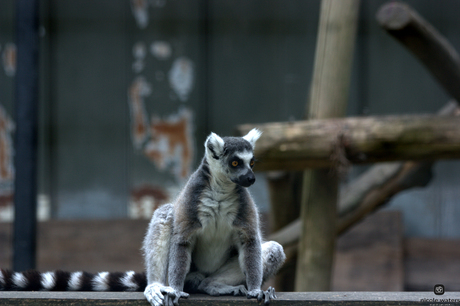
{"type": "Point", "coordinates": [234, 156]}
{"type": "Point", "coordinates": [238, 166]}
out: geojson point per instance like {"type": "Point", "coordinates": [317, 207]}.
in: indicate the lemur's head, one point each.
{"type": "Point", "coordinates": [233, 156]}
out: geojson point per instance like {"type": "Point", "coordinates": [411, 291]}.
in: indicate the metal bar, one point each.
{"type": "Point", "coordinates": [26, 93]}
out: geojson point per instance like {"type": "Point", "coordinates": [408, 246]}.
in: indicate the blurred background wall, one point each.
{"type": "Point", "coordinates": [130, 89]}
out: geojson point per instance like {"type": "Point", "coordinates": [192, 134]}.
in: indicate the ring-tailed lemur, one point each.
{"type": "Point", "coordinates": [207, 241]}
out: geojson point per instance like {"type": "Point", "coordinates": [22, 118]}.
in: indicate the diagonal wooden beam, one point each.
{"type": "Point", "coordinates": [425, 42]}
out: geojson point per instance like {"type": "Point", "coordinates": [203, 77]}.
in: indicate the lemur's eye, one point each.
{"type": "Point", "coordinates": [252, 163]}
{"type": "Point", "coordinates": [234, 163]}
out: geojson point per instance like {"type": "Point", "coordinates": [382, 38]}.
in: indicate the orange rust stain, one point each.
{"type": "Point", "coordinates": [137, 91]}
{"type": "Point", "coordinates": [139, 4]}
{"type": "Point", "coordinates": [9, 59]}
{"type": "Point", "coordinates": [156, 193]}
{"type": "Point", "coordinates": [168, 135]}
{"type": "Point", "coordinates": [6, 147]}
{"type": "Point", "coordinates": [6, 160]}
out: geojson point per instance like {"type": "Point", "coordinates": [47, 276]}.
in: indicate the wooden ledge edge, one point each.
{"type": "Point", "coordinates": [284, 298]}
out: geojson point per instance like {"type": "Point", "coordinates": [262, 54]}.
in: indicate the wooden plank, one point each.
{"type": "Point", "coordinates": [89, 245]}
{"type": "Point", "coordinates": [432, 261]}
{"type": "Point", "coordinates": [370, 256]}
{"type": "Point", "coordinates": [331, 142]}
{"type": "Point", "coordinates": [72, 298]}
{"type": "Point", "coordinates": [284, 298]}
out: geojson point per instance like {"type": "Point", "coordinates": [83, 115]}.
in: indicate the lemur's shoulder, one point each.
{"type": "Point", "coordinates": [187, 203]}
{"type": "Point", "coordinates": [248, 215]}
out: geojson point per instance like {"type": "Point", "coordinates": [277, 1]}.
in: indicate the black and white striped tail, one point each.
{"type": "Point", "coordinates": [71, 281]}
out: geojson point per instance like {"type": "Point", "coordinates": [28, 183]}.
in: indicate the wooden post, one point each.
{"type": "Point", "coordinates": [328, 99]}
{"type": "Point", "coordinates": [284, 190]}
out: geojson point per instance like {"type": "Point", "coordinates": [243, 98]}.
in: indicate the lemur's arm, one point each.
{"type": "Point", "coordinates": [251, 263]}
{"type": "Point", "coordinates": [186, 224]}
{"type": "Point", "coordinates": [179, 263]}
{"type": "Point", "coordinates": [156, 251]}
{"type": "Point", "coordinates": [250, 258]}
{"type": "Point", "coordinates": [249, 244]}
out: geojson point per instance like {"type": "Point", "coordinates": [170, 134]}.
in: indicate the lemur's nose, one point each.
{"type": "Point", "coordinates": [251, 179]}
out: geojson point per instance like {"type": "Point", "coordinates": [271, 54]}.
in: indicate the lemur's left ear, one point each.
{"type": "Point", "coordinates": [252, 136]}
{"type": "Point", "coordinates": [214, 146]}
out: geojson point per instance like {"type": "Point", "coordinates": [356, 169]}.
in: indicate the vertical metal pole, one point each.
{"type": "Point", "coordinates": [26, 93]}
{"type": "Point", "coordinates": [206, 23]}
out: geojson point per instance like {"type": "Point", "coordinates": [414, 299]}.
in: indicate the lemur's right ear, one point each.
{"type": "Point", "coordinates": [214, 146]}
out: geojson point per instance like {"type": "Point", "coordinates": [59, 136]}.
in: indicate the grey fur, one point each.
{"type": "Point", "coordinates": [209, 239]}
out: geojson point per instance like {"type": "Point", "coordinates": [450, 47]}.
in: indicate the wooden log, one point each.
{"type": "Point", "coordinates": [425, 42]}
{"type": "Point", "coordinates": [381, 182]}
{"type": "Point", "coordinates": [313, 144]}
{"type": "Point", "coordinates": [410, 175]}
{"type": "Point", "coordinates": [284, 298]}
{"type": "Point", "coordinates": [365, 199]}
{"type": "Point", "coordinates": [328, 99]}
{"type": "Point", "coordinates": [288, 235]}
{"type": "Point", "coordinates": [354, 192]}
{"type": "Point", "coordinates": [371, 190]}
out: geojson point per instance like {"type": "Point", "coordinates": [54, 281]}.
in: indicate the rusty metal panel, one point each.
{"type": "Point", "coordinates": [131, 88]}
{"type": "Point", "coordinates": [166, 99]}
{"type": "Point", "coordinates": [88, 121]}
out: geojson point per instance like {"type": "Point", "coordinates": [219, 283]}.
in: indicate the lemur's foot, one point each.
{"type": "Point", "coordinates": [159, 295]}
{"type": "Point", "coordinates": [260, 295]}
{"type": "Point", "coordinates": [217, 289]}
{"type": "Point", "coordinates": [239, 290]}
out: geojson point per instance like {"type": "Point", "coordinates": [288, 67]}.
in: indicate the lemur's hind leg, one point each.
{"type": "Point", "coordinates": [192, 281]}
{"type": "Point", "coordinates": [230, 280]}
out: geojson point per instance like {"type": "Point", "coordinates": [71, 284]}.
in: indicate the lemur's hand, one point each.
{"type": "Point", "coordinates": [159, 295]}
{"type": "Point", "coordinates": [260, 295]}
